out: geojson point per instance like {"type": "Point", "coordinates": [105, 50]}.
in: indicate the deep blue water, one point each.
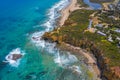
{"type": "Point", "coordinates": [19, 20]}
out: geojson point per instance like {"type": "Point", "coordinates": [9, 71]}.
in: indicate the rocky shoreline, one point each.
{"type": "Point", "coordinates": [94, 56]}
{"type": "Point", "coordinates": [91, 61]}
{"type": "Point", "coordinates": [93, 53]}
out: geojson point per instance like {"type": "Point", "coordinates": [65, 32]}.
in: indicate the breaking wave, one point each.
{"type": "Point", "coordinates": [14, 57]}
{"type": "Point", "coordinates": [63, 60]}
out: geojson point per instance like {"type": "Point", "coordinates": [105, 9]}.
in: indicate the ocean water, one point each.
{"type": "Point", "coordinates": [22, 23]}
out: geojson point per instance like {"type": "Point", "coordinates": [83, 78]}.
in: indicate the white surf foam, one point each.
{"type": "Point", "coordinates": [63, 60]}
{"type": "Point", "coordinates": [54, 13]}
{"type": "Point", "coordinates": [68, 61]}
{"type": "Point", "coordinates": [75, 69]}
{"type": "Point", "coordinates": [9, 57]}
{"type": "Point", "coordinates": [50, 24]}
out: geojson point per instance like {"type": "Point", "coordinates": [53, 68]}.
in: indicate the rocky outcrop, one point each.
{"type": "Point", "coordinates": [52, 37]}
{"type": "Point", "coordinates": [107, 72]}
{"type": "Point", "coordinates": [16, 56]}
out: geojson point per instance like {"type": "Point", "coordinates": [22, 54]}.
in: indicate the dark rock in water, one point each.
{"type": "Point", "coordinates": [20, 75]}
{"type": "Point", "coordinates": [2, 65]}
{"type": "Point", "coordinates": [42, 73]}
{"type": "Point", "coordinates": [28, 77]}
{"type": "Point", "coordinates": [35, 38]}
{"type": "Point", "coordinates": [32, 73]}
{"type": "Point", "coordinates": [31, 76]}
{"type": "Point", "coordinates": [9, 71]}
{"type": "Point", "coordinates": [15, 56]}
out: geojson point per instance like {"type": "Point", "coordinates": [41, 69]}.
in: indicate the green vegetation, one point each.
{"type": "Point", "coordinates": [107, 17]}
{"type": "Point", "coordinates": [90, 74]}
{"type": "Point", "coordinates": [74, 32]}
{"type": "Point", "coordinates": [101, 1]}
{"type": "Point", "coordinates": [82, 3]}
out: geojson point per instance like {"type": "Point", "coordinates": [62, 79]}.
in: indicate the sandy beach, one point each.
{"type": "Point", "coordinates": [90, 59]}
{"type": "Point", "coordinates": [66, 12]}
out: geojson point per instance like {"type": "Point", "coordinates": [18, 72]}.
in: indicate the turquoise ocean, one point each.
{"type": "Point", "coordinates": [22, 23]}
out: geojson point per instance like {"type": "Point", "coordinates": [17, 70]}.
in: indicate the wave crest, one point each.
{"type": "Point", "coordinates": [63, 60]}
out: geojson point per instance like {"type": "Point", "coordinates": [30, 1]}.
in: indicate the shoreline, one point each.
{"type": "Point", "coordinates": [66, 11]}
{"type": "Point", "coordinates": [101, 61]}
{"type": "Point", "coordinates": [91, 59]}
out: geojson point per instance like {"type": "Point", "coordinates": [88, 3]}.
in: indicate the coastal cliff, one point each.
{"type": "Point", "coordinates": [107, 72]}
{"type": "Point", "coordinates": [76, 33]}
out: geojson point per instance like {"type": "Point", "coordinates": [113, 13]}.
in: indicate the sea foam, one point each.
{"type": "Point", "coordinates": [50, 23]}
{"type": "Point", "coordinates": [54, 13]}
{"type": "Point", "coordinates": [63, 60]}
{"type": "Point", "coordinates": [9, 57]}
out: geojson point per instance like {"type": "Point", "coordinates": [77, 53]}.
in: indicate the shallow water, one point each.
{"type": "Point", "coordinates": [92, 5]}
{"type": "Point", "coordinates": [22, 23]}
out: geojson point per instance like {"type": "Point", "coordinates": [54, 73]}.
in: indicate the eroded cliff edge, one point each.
{"type": "Point", "coordinates": [94, 38]}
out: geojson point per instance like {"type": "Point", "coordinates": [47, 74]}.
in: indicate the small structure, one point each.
{"type": "Point", "coordinates": [110, 39]}
{"type": "Point", "coordinates": [117, 30]}
{"type": "Point", "coordinates": [118, 38]}
{"type": "Point", "coordinates": [118, 5]}
{"type": "Point", "coordinates": [111, 7]}
{"type": "Point", "coordinates": [99, 25]}
{"type": "Point", "coordinates": [101, 33]}
{"type": "Point", "coordinates": [119, 45]}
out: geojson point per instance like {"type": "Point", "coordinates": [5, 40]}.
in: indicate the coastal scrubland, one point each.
{"type": "Point", "coordinates": [101, 1]}
{"type": "Point", "coordinates": [75, 32]}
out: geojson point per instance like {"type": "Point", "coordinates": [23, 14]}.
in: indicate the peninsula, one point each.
{"type": "Point", "coordinates": [95, 33]}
